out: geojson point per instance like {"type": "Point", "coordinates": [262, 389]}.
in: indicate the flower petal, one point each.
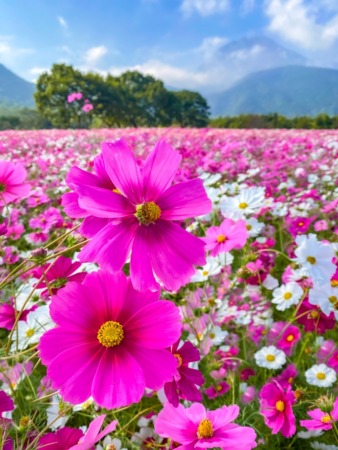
{"type": "Point", "coordinates": [184, 200]}
{"type": "Point", "coordinates": [123, 170]}
{"type": "Point", "coordinates": [103, 203]}
{"type": "Point", "coordinates": [158, 366]}
{"type": "Point", "coordinates": [157, 325]}
{"type": "Point", "coordinates": [159, 170]}
{"type": "Point", "coordinates": [140, 265]}
{"type": "Point", "coordinates": [119, 379]}
{"type": "Point", "coordinates": [174, 252]}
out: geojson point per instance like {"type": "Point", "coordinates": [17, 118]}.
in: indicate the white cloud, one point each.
{"type": "Point", "coordinates": [173, 76]}
{"type": "Point", "coordinates": [62, 22]}
{"type": "Point", "coordinates": [10, 53]}
{"type": "Point", "coordinates": [94, 55]}
{"type": "Point", "coordinates": [210, 46]}
{"type": "Point", "coordinates": [298, 22]}
{"type": "Point", "coordinates": [204, 7]}
{"type": "Point", "coordinates": [38, 70]}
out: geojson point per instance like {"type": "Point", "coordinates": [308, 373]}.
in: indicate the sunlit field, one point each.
{"type": "Point", "coordinates": [170, 303]}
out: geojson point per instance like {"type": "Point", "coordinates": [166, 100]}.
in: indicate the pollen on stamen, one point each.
{"type": "Point", "coordinates": [205, 429]}
{"type": "Point", "coordinates": [110, 334]}
{"type": "Point", "coordinates": [148, 213]}
{"type": "Point", "coordinates": [221, 238]}
{"type": "Point", "coordinates": [311, 259]}
{"type": "Point", "coordinates": [179, 359]}
{"type": "Point", "coordinates": [280, 406]}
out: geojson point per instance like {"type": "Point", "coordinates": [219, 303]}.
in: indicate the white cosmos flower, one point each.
{"type": "Point", "coordinates": [56, 417]}
{"type": "Point", "coordinates": [253, 226]}
{"type": "Point", "coordinates": [309, 434]}
{"type": "Point", "coordinates": [315, 257]}
{"type": "Point", "coordinates": [321, 375]}
{"type": "Point", "coordinates": [326, 297]}
{"type": "Point", "coordinates": [287, 295]}
{"type": "Point", "coordinates": [246, 203]}
{"type": "Point", "coordinates": [270, 357]}
{"type": "Point", "coordinates": [211, 268]}
{"type": "Point", "coordinates": [270, 282]}
{"type": "Point", "coordinates": [320, 446]}
{"type": "Point", "coordinates": [29, 331]}
{"type": "Point", "coordinates": [110, 443]}
{"type": "Point", "coordinates": [217, 335]}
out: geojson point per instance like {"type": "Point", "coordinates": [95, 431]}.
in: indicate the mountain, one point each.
{"type": "Point", "coordinates": [291, 91]}
{"type": "Point", "coordinates": [15, 90]}
{"type": "Point", "coordinates": [236, 59]}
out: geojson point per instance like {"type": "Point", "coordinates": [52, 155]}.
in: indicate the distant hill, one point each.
{"type": "Point", "coordinates": [237, 59]}
{"type": "Point", "coordinates": [15, 91]}
{"type": "Point", "coordinates": [291, 91]}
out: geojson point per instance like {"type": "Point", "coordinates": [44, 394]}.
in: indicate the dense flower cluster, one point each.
{"type": "Point", "coordinates": [174, 288]}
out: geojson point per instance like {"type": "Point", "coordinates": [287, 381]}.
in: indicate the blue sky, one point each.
{"type": "Point", "coordinates": [174, 40]}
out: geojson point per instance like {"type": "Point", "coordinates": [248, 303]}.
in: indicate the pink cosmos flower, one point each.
{"type": "Point", "coordinates": [185, 379]}
{"type": "Point", "coordinates": [217, 390]}
{"type": "Point", "coordinates": [64, 438]}
{"type": "Point", "coordinates": [289, 339]}
{"type": "Point", "coordinates": [93, 434]}
{"type": "Point", "coordinates": [321, 420]}
{"type": "Point", "coordinates": [197, 428]}
{"type": "Point", "coordinates": [8, 314]}
{"type": "Point", "coordinates": [227, 236]}
{"type": "Point", "coordinates": [314, 319]}
{"type": "Point", "coordinates": [286, 378]}
{"type": "Point", "coordinates": [248, 395]}
{"type": "Point", "coordinates": [6, 404]}
{"type": "Point", "coordinates": [142, 209]}
{"type": "Point", "coordinates": [276, 407]}
{"type": "Point", "coordinates": [110, 341]}
{"type": "Point", "coordinates": [58, 274]}
{"type": "Point", "coordinates": [87, 107]}
{"type": "Point", "coordinates": [12, 182]}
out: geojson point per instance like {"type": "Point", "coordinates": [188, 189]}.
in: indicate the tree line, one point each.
{"type": "Point", "coordinates": [266, 121]}
{"type": "Point", "coordinates": [131, 99]}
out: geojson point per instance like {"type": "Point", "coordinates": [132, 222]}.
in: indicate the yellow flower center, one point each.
{"type": "Point", "coordinates": [321, 376]}
{"type": "Point", "coordinates": [300, 224]}
{"type": "Point", "coordinates": [221, 238]}
{"type": "Point", "coordinates": [333, 299]}
{"type": "Point", "coordinates": [243, 205]}
{"type": "Point", "coordinates": [290, 338]}
{"type": "Point", "coordinates": [148, 213]}
{"type": "Point", "coordinates": [290, 380]}
{"type": "Point", "coordinates": [248, 227]}
{"type": "Point", "coordinates": [212, 335]}
{"type": "Point", "coordinates": [110, 334]}
{"type": "Point", "coordinates": [314, 314]}
{"type": "Point", "coordinates": [110, 447]}
{"type": "Point", "coordinates": [218, 388]}
{"type": "Point", "coordinates": [270, 358]}
{"type": "Point", "coordinates": [326, 419]}
{"type": "Point", "coordinates": [311, 259]}
{"type": "Point", "coordinates": [205, 429]}
{"type": "Point", "coordinates": [280, 406]}
{"type": "Point", "coordinates": [205, 273]}
{"type": "Point", "coordinates": [30, 332]}
{"type": "Point", "coordinates": [287, 295]}
{"type": "Point", "coordinates": [179, 359]}
{"type": "Point", "coordinates": [334, 283]}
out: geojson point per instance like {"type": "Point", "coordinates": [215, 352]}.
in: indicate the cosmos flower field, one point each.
{"type": "Point", "coordinates": [168, 288]}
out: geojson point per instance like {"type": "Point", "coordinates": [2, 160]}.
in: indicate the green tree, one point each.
{"type": "Point", "coordinates": [52, 90]}
{"type": "Point", "coordinates": [193, 109]}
